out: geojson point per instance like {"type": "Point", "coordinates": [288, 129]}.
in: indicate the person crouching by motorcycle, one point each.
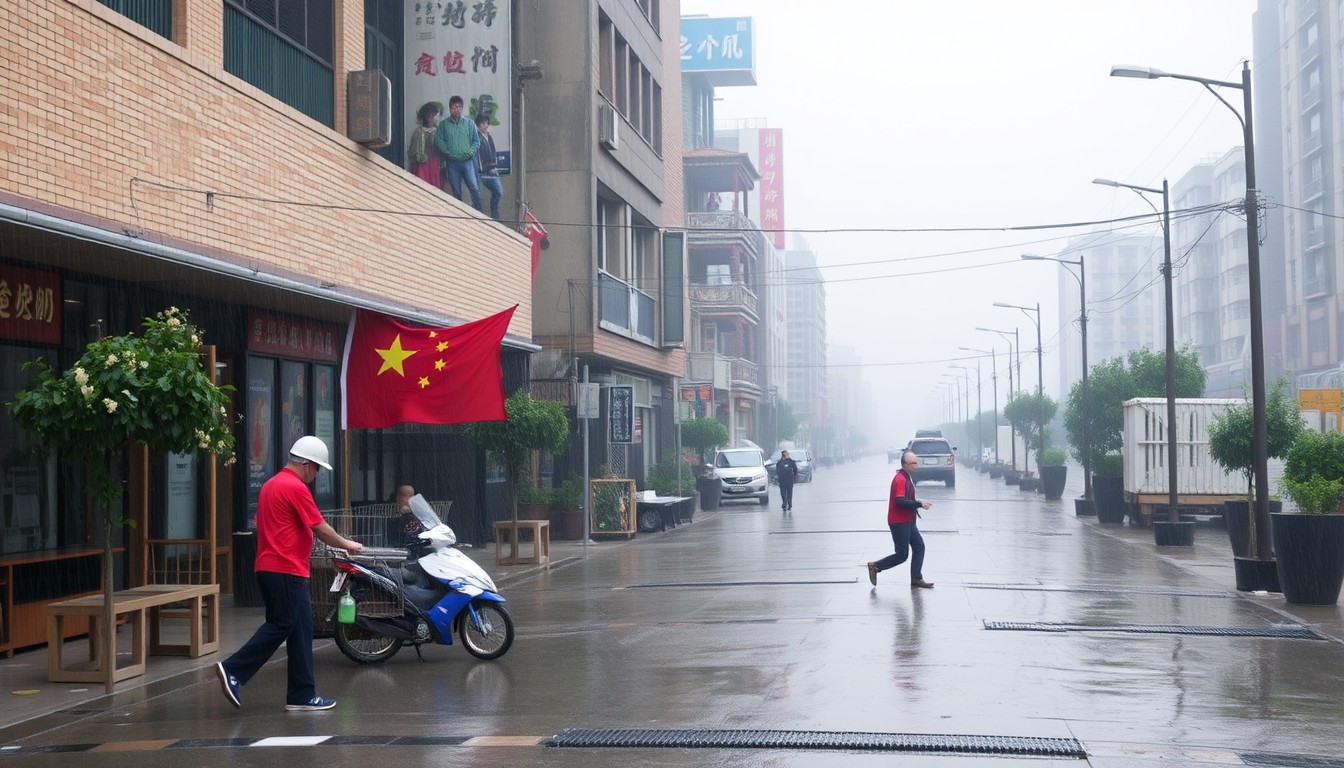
{"type": "Point", "coordinates": [786, 474]}
{"type": "Point", "coordinates": [287, 521]}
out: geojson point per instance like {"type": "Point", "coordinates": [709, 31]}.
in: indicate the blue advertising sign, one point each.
{"type": "Point", "coordinates": [723, 49]}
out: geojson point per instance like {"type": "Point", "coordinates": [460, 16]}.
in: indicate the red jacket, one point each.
{"type": "Point", "coordinates": [901, 506]}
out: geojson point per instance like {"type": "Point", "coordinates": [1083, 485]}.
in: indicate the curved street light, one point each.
{"type": "Point", "coordinates": [1040, 372]}
{"type": "Point", "coordinates": [993, 377]}
{"type": "Point", "coordinates": [1259, 440]}
{"type": "Point", "coordinates": [1012, 344]}
{"type": "Point", "coordinates": [1081, 277]}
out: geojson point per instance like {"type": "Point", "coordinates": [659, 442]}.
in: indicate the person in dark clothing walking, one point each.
{"type": "Point", "coordinates": [786, 473]}
{"type": "Point", "coordinates": [902, 510]}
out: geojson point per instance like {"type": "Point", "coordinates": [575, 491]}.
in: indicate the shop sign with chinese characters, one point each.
{"type": "Point", "coordinates": [30, 305]}
{"type": "Point", "coordinates": [287, 337]}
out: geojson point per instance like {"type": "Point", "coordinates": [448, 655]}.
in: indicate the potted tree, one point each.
{"type": "Point", "coordinates": [1054, 472]}
{"type": "Point", "coordinates": [1029, 414]}
{"type": "Point", "coordinates": [1231, 447]}
{"type": "Point", "coordinates": [567, 510]}
{"type": "Point", "coordinates": [702, 435]}
{"type": "Point", "coordinates": [1309, 544]}
{"type": "Point", "coordinates": [534, 502]}
{"type": "Point", "coordinates": [1108, 488]}
{"type": "Point", "coordinates": [151, 389]}
{"type": "Point", "coordinates": [529, 425]}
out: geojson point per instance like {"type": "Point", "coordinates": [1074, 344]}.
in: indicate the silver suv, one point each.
{"type": "Point", "coordinates": [742, 473]}
{"type": "Point", "coordinates": [937, 460]}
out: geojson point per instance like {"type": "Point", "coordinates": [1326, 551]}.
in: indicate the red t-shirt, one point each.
{"type": "Point", "coordinates": [902, 487]}
{"type": "Point", "coordinates": [286, 514]}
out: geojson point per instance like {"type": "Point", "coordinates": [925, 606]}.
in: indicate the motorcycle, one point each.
{"type": "Point", "coordinates": [438, 592]}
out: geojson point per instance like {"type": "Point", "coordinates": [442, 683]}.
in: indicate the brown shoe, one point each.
{"type": "Point", "coordinates": [872, 573]}
{"type": "Point", "coordinates": [922, 584]}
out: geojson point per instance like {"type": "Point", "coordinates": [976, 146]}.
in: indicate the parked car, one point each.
{"type": "Point", "coordinates": [937, 460]}
{"type": "Point", "coordinates": [928, 433]}
{"type": "Point", "coordinates": [801, 456]}
{"type": "Point", "coordinates": [742, 473]}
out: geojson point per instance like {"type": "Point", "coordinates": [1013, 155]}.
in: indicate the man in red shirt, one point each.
{"type": "Point", "coordinates": [902, 510]}
{"type": "Point", "coordinates": [287, 521]}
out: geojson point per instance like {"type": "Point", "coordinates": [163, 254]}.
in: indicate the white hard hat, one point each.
{"type": "Point", "coordinates": [312, 449]}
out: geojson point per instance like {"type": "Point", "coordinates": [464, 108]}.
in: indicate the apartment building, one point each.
{"type": "Point", "coordinates": [150, 156]}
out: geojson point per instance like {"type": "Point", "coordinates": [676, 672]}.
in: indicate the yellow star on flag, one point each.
{"type": "Point", "coordinates": [438, 365]}
{"type": "Point", "coordinates": [442, 345]}
{"type": "Point", "coordinates": [394, 356]}
{"type": "Point", "coordinates": [424, 382]}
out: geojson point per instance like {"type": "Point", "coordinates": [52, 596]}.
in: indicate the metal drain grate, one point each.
{"type": "Point", "coordinates": [1102, 590]}
{"type": "Point", "coordinates": [1290, 761]}
{"type": "Point", "coordinates": [684, 584]}
{"type": "Point", "coordinates": [754, 739]}
{"type": "Point", "coordinates": [1283, 632]}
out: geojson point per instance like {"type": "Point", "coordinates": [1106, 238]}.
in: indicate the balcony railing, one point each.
{"type": "Point", "coordinates": [626, 309]}
{"type": "Point", "coordinates": [745, 372]}
{"type": "Point", "coordinates": [730, 297]}
{"type": "Point", "coordinates": [723, 227]}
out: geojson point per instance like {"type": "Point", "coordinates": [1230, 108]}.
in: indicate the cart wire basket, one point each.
{"type": "Point", "coordinates": [379, 528]}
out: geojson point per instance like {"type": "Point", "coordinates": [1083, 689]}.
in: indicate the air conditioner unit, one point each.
{"type": "Point", "coordinates": [608, 131]}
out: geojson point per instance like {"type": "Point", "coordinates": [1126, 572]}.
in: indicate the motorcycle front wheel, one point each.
{"type": "Point", "coordinates": [365, 647]}
{"type": "Point", "coordinates": [494, 634]}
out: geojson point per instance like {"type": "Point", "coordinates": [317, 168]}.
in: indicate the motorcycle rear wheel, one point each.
{"type": "Point", "coordinates": [364, 647]}
{"type": "Point", "coordinates": [493, 638]}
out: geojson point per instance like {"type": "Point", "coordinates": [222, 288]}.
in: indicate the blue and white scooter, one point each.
{"type": "Point", "coordinates": [440, 591]}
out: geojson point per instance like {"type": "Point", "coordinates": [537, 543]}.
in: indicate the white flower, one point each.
{"type": "Point", "coordinates": [195, 339]}
{"type": "Point", "coordinates": [86, 390]}
{"type": "Point", "coordinates": [111, 360]}
{"type": "Point", "coordinates": [223, 411]}
{"type": "Point", "coordinates": [173, 322]}
{"type": "Point", "coordinates": [144, 364]}
{"type": "Point", "coordinates": [110, 404]}
{"type": "Point", "coordinates": [126, 392]}
{"type": "Point", "coordinates": [220, 446]}
{"type": "Point", "coordinates": [80, 376]}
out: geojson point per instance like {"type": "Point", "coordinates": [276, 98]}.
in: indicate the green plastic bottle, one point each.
{"type": "Point", "coordinates": [345, 614]}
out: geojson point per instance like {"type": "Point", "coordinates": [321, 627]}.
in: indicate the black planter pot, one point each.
{"type": "Point", "coordinates": [1012, 476]}
{"type": "Point", "coordinates": [1310, 553]}
{"type": "Point", "coordinates": [710, 489]}
{"type": "Point", "coordinates": [1167, 534]}
{"type": "Point", "coordinates": [1084, 507]}
{"type": "Point", "coordinates": [995, 471]}
{"type": "Point", "coordinates": [1256, 575]}
{"type": "Point", "coordinates": [1027, 484]}
{"type": "Point", "coordinates": [1109, 491]}
{"type": "Point", "coordinates": [1052, 481]}
{"type": "Point", "coordinates": [1237, 518]}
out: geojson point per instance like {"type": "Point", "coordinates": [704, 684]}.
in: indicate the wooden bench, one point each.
{"type": "Point", "coordinates": [144, 608]}
{"type": "Point", "coordinates": [541, 541]}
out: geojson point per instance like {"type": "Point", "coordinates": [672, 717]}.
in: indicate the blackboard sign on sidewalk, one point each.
{"type": "Point", "coordinates": [621, 414]}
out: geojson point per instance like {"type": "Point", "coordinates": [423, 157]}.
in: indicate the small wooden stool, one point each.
{"type": "Point", "coordinates": [541, 541]}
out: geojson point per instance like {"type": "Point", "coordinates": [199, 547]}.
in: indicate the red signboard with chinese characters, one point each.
{"type": "Point", "coordinates": [287, 337]}
{"type": "Point", "coordinates": [30, 305]}
{"type": "Point", "coordinates": [771, 162]}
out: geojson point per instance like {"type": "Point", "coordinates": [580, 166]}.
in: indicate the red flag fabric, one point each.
{"type": "Point", "coordinates": [536, 233]}
{"type": "Point", "coordinates": [396, 374]}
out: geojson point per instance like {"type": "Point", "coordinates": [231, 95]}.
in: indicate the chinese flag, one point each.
{"type": "Point", "coordinates": [395, 374]}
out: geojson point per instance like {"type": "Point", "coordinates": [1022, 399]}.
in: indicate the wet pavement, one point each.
{"type": "Point", "coordinates": [753, 620]}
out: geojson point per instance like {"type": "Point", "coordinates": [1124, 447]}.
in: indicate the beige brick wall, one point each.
{"type": "Point", "coordinates": [94, 101]}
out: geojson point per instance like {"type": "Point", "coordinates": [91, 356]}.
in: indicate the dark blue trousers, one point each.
{"type": "Point", "coordinates": [289, 620]}
{"type": "Point", "coordinates": [909, 543]}
{"type": "Point", "coordinates": [786, 494]}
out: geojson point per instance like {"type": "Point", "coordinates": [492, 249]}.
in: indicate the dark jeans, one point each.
{"type": "Point", "coordinates": [496, 189]}
{"type": "Point", "coordinates": [786, 494]}
{"type": "Point", "coordinates": [908, 544]}
{"type": "Point", "coordinates": [289, 620]}
{"type": "Point", "coordinates": [460, 171]}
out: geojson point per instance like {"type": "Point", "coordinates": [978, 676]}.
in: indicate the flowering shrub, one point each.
{"type": "Point", "coordinates": [150, 388]}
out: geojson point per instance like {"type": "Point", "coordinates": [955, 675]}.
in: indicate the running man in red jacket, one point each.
{"type": "Point", "coordinates": [902, 511]}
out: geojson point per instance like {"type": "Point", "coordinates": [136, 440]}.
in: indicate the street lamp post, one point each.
{"type": "Point", "coordinates": [979, 428]}
{"type": "Point", "coordinates": [993, 377]}
{"type": "Point", "coordinates": [1259, 431]}
{"type": "Point", "coordinates": [1040, 373]}
{"type": "Point", "coordinates": [1014, 344]}
{"type": "Point", "coordinates": [1173, 515]}
{"type": "Point", "coordinates": [1082, 326]}
{"type": "Point", "coordinates": [956, 384]}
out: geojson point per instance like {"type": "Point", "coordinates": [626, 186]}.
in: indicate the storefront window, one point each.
{"type": "Point", "coordinates": [260, 429]}
{"type": "Point", "coordinates": [27, 481]}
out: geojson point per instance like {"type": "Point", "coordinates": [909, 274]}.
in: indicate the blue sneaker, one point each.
{"type": "Point", "coordinates": [229, 683]}
{"type": "Point", "coordinates": [314, 704]}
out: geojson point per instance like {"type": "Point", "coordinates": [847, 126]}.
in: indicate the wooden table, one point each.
{"type": "Point", "coordinates": [142, 607]}
{"type": "Point", "coordinates": [541, 541]}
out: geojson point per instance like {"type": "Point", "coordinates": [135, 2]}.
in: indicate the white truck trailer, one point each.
{"type": "Point", "coordinates": [1200, 481]}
